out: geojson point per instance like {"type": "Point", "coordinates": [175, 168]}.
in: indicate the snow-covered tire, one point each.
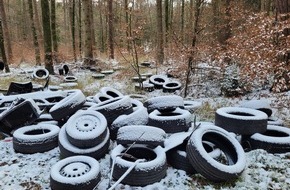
{"type": "Point", "coordinates": [70, 79]}
{"type": "Point", "coordinates": [191, 105]}
{"type": "Point", "coordinates": [67, 149]}
{"type": "Point", "coordinates": [76, 172]}
{"type": "Point", "coordinates": [139, 116]}
{"type": "Point", "coordinates": [114, 107]}
{"type": "Point", "coordinates": [275, 121]}
{"type": "Point", "coordinates": [144, 173]}
{"type": "Point", "coordinates": [262, 105]}
{"type": "Point", "coordinates": [141, 134]}
{"type": "Point", "coordinates": [243, 121]}
{"type": "Point", "coordinates": [164, 103]}
{"type": "Point", "coordinates": [275, 140]}
{"type": "Point", "coordinates": [171, 86]}
{"type": "Point", "coordinates": [177, 157]}
{"type": "Point", "coordinates": [99, 97]}
{"type": "Point", "coordinates": [158, 80]}
{"type": "Point", "coordinates": [171, 122]}
{"type": "Point", "coordinates": [40, 73]}
{"type": "Point", "coordinates": [113, 93]}
{"type": "Point", "coordinates": [68, 106]}
{"type": "Point", "coordinates": [205, 164]}
{"type": "Point", "coordinates": [86, 128]}
{"type": "Point", "coordinates": [35, 138]}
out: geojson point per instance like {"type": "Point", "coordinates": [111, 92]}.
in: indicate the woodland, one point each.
{"type": "Point", "coordinates": [248, 37]}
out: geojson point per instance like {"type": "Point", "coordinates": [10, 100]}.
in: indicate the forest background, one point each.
{"type": "Point", "coordinates": [251, 36]}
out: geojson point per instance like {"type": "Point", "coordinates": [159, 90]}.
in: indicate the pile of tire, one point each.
{"type": "Point", "coordinates": [139, 152]}
{"type": "Point", "coordinates": [85, 133]}
{"type": "Point", "coordinates": [275, 138]}
{"type": "Point", "coordinates": [167, 85]}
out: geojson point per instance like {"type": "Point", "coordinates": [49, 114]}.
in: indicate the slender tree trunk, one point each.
{"type": "Point", "coordinates": [37, 21]}
{"type": "Point", "coordinates": [2, 48]}
{"type": "Point", "coordinates": [166, 17]}
{"type": "Point", "coordinates": [34, 34]}
{"type": "Point", "coordinates": [54, 30]}
{"type": "Point", "coordinates": [93, 39]}
{"type": "Point", "coordinates": [182, 20]}
{"type": "Point", "coordinates": [72, 18]}
{"type": "Point", "coordinates": [127, 23]}
{"type": "Point", "coordinates": [88, 48]}
{"type": "Point", "coordinates": [111, 29]}
{"type": "Point", "coordinates": [47, 36]}
{"type": "Point", "coordinates": [101, 35]}
{"type": "Point", "coordinates": [198, 5]}
{"type": "Point", "coordinates": [160, 43]}
{"type": "Point", "coordinates": [25, 21]}
{"type": "Point", "coordinates": [6, 32]}
{"type": "Point", "coordinates": [80, 27]}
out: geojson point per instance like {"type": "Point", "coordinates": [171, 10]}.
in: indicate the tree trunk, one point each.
{"type": "Point", "coordinates": [166, 17]}
{"type": "Point", "coordinates": [88, 48]}
{"type": "Point", "coordinates": [111, 29]}
{"type": "Point", "coordinates": [282, 6]}
{"type": "Point", "coordinates": [197, 11]}
{"type": "Point", "coordinates": [80, 27]}
{"type": "Point", "coordinates": [101, 35]}
{"type": "Point", "coordinates": [47, 36]}
{"type": "Point", "coordinates": [2, 49]}
{"type": "Point", "coordinates": [160, 45]}
{"type": "Point", "coordinates": [72, 19]}
{"type": "Point", "coordinates": [93, 39]}
{"type": "Point", "coordinates": [34, 34]}
{"type": "Point", "coordinates": [182, 21]}
{"type": "Point", "coordinates": [6, 32]}
{"type": "Point", "coordinates": [37, 21]}
{"type": "Point", "coordinates": [127, 23]}
{"type": "Point", "coordinates": [53, 29]}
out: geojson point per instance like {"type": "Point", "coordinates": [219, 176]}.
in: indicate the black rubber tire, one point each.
{"type": "Point", "coordinates": [99, 97]}
{"type": "Point", "coordinates": [113, 93]}
{"type": "Point", "coordinates": [35, 138]}
{"type": "Point", "coordinates": [67, 149]}
{"type": "Point", "coordinates": [164, 103]}
{"type": "Point", "coordinates": [65, 69]}
{"type": "Point", "coordinates": [141, 134]}
{"type": "Point", "coordinates": [68, 106]}
{"type": "Point", "coordinates": [86, 128]}
{"type": "Point", "coordinates": [275, 121]}
{"type": "Point", "coordinates": [70, 79]}
{"type": "Point", "coordinates": [114, 107]}
{"type": "Point", "coordinates": [262, 105]}
{"type": "Point", "coordinates": [139, 116]}
{"type": "Point", "coordinates": [176, 121]}
{"type": "Point", "coordinates": [275, 140]}
{"type": "Point", "coordinates": [177, 157]}
{"type": "Point", "coordinates": [40, 73]}
{"type": "Point", "coordinates": [76, 172]}
{"type": "Point", "coordinates": [141, 175]}
{"type": "Point", "coordinates": [243, 121]}
{"type": "Point", "coordinates": [171, 86]}
{"type": "Point", "coordinates": [20, 113]}
{"type": "Point", "coordinates": [209, 167]}
{"type": "Point", "coordinates": [158, 80]}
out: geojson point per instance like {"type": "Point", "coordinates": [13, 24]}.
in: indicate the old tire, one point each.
{"type": "Point", "coordinates": [205, 164]}
{"type": "Point", "coordinates": [243, 121]}
{"type": "Point", "coordinates": [86, 129]}
{"type": "Point", "coordinates": [141, 134]}
{"type": "Point", "coordinates": [164, 103]}
{"type": "Point", "coordinates": [171, 122]}
{"type": "Point", "coordinates": [35, 138]}
{"type": "Point", "coordinates": [67, 149]}
{"type": "Point", "coordinates": [76, 172]}
{"type": "Point", "coordinates": [275, 140]}
{"type": "Point", "coordinates": [144, 173]}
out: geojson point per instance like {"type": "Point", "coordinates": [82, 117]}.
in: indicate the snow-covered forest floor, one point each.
{"type": "Point", "coordinates": [263, 170]}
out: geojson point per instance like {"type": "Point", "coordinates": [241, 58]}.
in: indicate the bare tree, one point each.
{"type": "Point", "coordinates": [72, 19]}
{"type": "Point", "coordinates": [2, 49]}
{"type": "Point", "coordinates": [6, 32]}
{"type": "Point", "coordinates": [47, 36]}
{"type": "Point", "coordinates": [111, 29]}
{"type": "Point", "coordinates": [88, 47]}
{"type": "Point", "coordinates": [53, 29]}
{"type": "Point", "coordinates": [160, 42]}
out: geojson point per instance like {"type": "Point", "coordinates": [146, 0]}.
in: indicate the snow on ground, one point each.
{"type": "Point", "coordinates": [263, 170]}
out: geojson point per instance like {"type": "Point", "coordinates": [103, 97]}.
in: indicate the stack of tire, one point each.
{"type": "Point", "coordinates": [140, 152]}
{"type": "Point", "coordinates": [119, 110]}
{"type": "Point", "coordinates": [85, 133]}
{"type": "Point", "coordinates": [166, 84]}
{"type": "Point", "coordinates": [275, 138]}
